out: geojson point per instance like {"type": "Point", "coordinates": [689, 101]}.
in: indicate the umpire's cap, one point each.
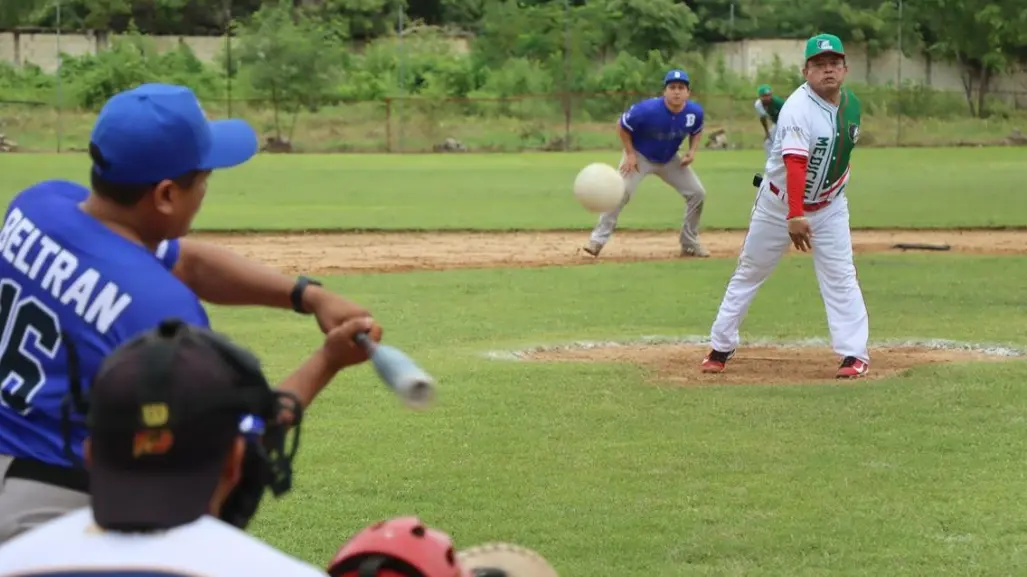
{"type": "Point", "coordinates": [165, 410]}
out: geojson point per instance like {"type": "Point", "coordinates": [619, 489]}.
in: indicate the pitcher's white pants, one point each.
{"type": "Point", "coordinates": [765, 244]}
{"type": "Point", "coordinates": [682, 178]}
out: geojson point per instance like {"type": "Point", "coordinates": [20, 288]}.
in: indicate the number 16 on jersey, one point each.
{"type": "Point", "coordinates": [29, 330]}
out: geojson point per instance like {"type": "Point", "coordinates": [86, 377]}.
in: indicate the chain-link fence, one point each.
{"type": "Point", "coordinates": [547, 122]}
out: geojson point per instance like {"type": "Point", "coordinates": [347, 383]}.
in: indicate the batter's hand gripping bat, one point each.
{"type": "Point", "coordinates": [399, 372]}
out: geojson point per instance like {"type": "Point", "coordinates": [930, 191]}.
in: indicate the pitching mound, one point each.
{"type": "Point", "coordinates": [348, 252]}
{"type": "Point", "coordinates": [762, 365]}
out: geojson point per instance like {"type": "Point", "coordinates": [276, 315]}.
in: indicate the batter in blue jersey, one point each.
{"type": "Point", "coordinates": [651, 133]}
{"type": "Point", "coordinates": [83, 270]}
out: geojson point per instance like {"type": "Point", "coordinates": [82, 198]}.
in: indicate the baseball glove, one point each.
{"type": "Point", "coordinates": [504, 560]}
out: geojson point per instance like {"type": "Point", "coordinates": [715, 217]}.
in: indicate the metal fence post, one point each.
{"type": "Point", "coordinates": [898, 92]}
{"type": "Point", "coordinates": [60, 92]}
{"type": "Point", "coordinates": [228, 55]}
{"type": "Point", "coordinates": [566, 76]}
{"type": "Point", "coordinates": [401, 58]}
{"type": "Point", "coordinates": [388, 124]}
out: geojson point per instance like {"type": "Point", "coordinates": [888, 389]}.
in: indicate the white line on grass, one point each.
{"type": "Point", "coordinates": [998, 350]}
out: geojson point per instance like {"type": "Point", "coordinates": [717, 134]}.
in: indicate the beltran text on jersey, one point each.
{"type": "Point", "coordinates": [57, 271]}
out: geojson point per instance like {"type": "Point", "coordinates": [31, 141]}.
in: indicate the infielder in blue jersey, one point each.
{"type": "Point", "coordinates": [651, 132]}
{"type": "Point", "coordinates": [83, 270]}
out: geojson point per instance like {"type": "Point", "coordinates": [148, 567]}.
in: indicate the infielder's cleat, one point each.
{"type": "Point", "coordinates": [852, 368]}
{"type": "Point", "coordinates": [715, 361]}
{"type": "Point", "coordinates": [697, 251]}
{"type": "Point", "coordinates": [593, 248]}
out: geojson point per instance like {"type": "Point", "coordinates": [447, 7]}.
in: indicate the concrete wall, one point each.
{"type": "Point", "coordinates": [747, 56]}
{"type": "Point", "coordinates": [744, 57]}
{"type": "Point", "coordinates": [42, 49]}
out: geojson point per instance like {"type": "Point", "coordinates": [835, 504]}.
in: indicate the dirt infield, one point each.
{"type": "Point", "coordinates": [679, 364]}
{"type": "Point", "coordinates": [326, 253]}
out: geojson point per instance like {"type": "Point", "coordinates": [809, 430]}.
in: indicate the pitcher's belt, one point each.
{"type": "Point", "coordinates": [806, 207]}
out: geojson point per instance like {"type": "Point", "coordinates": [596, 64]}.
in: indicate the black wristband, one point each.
{"type": "Point", "coordinates": [297, 293]}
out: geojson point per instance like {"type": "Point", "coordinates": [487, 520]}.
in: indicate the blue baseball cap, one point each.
{"type": "Point", "coordinates": [159, 131]}
{"type": "Point", "coordinates": [676, 75]}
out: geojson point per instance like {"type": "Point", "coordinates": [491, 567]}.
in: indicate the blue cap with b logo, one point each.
{"type": "Point", "coordinates": [156, 132]}
{"type": "Point", "coordinates": [676, 75]}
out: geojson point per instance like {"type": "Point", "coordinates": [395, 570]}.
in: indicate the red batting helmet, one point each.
{"type": "Point", "coordinates": [401, 547]}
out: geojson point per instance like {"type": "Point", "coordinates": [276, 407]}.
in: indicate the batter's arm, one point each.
{"type": "Point", "coordinates": [219, 276]}
{"type": "Point", "coordinates": [338, 352]}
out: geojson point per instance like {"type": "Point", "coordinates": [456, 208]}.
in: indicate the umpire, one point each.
{"type": "Point", "coordinates": [185, 435]}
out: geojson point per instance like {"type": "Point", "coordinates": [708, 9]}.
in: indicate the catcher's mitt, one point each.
{"type": "Point", "coordinates": [504, 560]}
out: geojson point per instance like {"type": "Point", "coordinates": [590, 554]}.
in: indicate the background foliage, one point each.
{"type": "Point", "coordinates": [301, 56]}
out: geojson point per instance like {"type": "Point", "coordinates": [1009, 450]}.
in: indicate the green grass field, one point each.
{"type": "Point", "coordinates": [907, 188]}
{"type": "Point", "coordinates": [603, 470]}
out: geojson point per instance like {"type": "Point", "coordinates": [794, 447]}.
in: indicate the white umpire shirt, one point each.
{"type": "Point", "coordinates": [208, 547]}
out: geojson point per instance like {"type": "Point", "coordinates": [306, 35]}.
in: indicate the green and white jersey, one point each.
{"type": "Point", "coordinates": [772, 110]}
{"type": "Point", "coordinates": [824, 133]}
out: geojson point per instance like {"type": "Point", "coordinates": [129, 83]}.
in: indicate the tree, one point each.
{"type": "Point", "coordinates": [723, 20]}
{"type": "Point", "coordinates": [644, 25]}
{"type": "Point", "coordinates": [14, 13]}
{"type": "Point", "coordinates": [291, 60]}
{"type": "Point", "coordinates": [986, 37]}
{"type": "Point", "coordinates": [365, 19]}
{"type": "Point", "coordinates": [464, 14]}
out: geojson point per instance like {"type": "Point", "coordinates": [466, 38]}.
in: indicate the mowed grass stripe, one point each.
{"type": "Point", "coordinates": [890, 188]}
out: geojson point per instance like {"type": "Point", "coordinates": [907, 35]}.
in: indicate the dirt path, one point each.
{"type": "Point", "coordinates": [679, 364]}
{"type": "Point", "coordinates": [324, 253]}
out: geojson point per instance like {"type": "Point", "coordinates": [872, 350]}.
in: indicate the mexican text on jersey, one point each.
{"type": "Point", "coordinates": [819, 156]}
{"type": "Point", "coordinates": [56, 270]}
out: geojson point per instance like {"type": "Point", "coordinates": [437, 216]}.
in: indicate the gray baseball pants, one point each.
{"type": "Point", "coordinates": [26, 504]}
{"type": "Point", "coordinates": [682, 178]}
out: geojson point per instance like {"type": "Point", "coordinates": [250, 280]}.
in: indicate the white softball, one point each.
{"type": "Point", "coordinates": [512, 560]}
{"type": "Point", "coordinates": [599, 187]}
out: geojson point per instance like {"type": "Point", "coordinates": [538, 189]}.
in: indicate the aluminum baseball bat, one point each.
{"type": "Point", "coordinates": [399, 372]}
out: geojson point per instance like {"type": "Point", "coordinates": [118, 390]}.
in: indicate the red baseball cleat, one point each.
{"type": "Point", "coordinates": [715, 361]}
{"type": "Point", "coordinates": [852, 368]}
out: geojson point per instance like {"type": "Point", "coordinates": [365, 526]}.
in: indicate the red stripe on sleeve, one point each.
{"type": "Point", "coordinates": [795, 167]}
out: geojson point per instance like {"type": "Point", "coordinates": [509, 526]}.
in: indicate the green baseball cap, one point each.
{"type": "Point", "coordinates": [824, 44]}
{"type": "Point", "coordinates": [763, 90]}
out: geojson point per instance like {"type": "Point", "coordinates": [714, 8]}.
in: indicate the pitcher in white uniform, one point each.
{"type": "Point", "coordinates": [801, 200]}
